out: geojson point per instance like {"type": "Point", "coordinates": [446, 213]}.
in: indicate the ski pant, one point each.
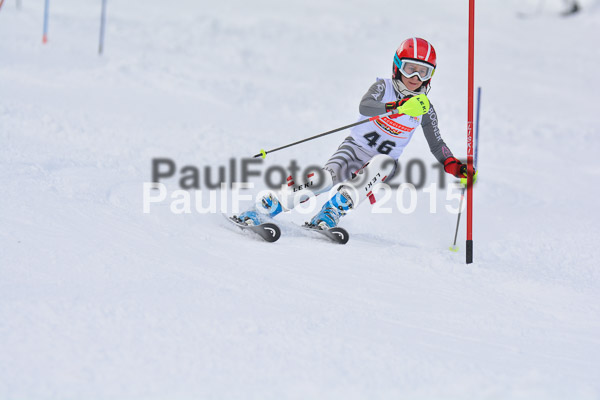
{"type": "Point", "coordinates": [349, 158]}
{"type": "Point", "coordinates": [343, 166]}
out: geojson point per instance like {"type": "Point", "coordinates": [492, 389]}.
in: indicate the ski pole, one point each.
{"type": "Point", "coordinates": [454, 248]}
{"type": "Point", "coordinates": [264, 153]}
{"type": "Point", "coordinates": [414, 107]}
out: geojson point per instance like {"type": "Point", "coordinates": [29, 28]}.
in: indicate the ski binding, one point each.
{"type": "Point", "coordinates": [268, 231]}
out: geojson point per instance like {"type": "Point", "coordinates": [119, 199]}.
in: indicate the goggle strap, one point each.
{"type": "Point", "coordinates": [397, 61]}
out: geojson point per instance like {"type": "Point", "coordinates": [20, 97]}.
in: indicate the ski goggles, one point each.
{"type": "Point", "coordinates": [410, 68]}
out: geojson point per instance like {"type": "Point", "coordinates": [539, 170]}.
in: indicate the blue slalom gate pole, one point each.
{"type": "Point", "coordinates": [102, 23]}
{"type": "Point", "coordinates": [46, 7]}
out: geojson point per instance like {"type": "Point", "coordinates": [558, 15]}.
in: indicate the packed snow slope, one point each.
{"type": "Point", "coordinates": [100, 300]}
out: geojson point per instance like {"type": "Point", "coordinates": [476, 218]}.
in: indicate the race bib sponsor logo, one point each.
{"type": "Point", "coordinates": [392, 127]}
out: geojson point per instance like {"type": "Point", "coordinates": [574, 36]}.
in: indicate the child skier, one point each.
{"type": "Point", "coordinates": [368, 156]}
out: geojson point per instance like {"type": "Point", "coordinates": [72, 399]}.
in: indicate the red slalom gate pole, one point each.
{"type": "Point", "coordinates": [469, 244]}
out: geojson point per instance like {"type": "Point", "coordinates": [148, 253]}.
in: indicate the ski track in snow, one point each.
{"type": "Point", "coordinates": [99, 300]}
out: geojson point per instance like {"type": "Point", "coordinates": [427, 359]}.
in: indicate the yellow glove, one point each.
{"type": "Point", "coordinates": [463, 181]}
{"type": "Point", "coordinates": [413, 106]}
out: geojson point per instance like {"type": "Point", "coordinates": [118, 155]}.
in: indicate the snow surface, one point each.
{"type": "Point", "coordinates": [99, 300]}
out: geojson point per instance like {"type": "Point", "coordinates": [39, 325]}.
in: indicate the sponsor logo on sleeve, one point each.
{"type": "Point", "coordinates": [378, 91]}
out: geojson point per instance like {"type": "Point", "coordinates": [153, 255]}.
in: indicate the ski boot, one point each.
{"type": "Point", "coordinates": [269, 206]}
{"type": "Point", "coordinates": [332, 211]}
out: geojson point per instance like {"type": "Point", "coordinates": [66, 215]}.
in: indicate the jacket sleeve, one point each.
{"type": "Point", "coordinates": [438, 147]}
{"type": "Point", "coordinates": [370, 104]}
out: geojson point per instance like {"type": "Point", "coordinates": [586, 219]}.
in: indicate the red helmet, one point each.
{"type": "Point", "coordinates": [415, 51]}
